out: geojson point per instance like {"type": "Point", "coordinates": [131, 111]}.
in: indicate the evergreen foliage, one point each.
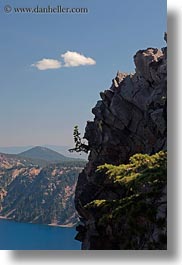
{"type": "Point", "coordinates": [140, 210]}
{"type": "Point", "coordinates": [80, 146]}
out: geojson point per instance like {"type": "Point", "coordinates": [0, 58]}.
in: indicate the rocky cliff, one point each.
{"type": "Point", "coordinates": [45, 195]}
{"type": "Point", "coordinates": [129, 119]}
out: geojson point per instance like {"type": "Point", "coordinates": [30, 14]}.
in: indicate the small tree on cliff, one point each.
{"type": "Point", "coordinates": [80, 146]}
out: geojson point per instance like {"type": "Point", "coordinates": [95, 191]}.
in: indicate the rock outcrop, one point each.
{"type": "Point", "coordinates": [129, 119]}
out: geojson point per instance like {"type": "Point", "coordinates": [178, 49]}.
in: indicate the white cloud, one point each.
{"type": "Point", "coordinates": [73, 59]}
{"type": "Point", "coordinates": [46, 64]}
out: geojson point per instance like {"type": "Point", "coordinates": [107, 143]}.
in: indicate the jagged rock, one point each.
{"type": "Point", "coordinates": [165, 36]}
{"type": "Point", "coordinates": [157, 117]}
{"type": "Point", "coordinates": [130, 119]}
{"type": "Point", "coordinates": [144, 60]}
{"type": "Point", "coordinates": [117, 80]}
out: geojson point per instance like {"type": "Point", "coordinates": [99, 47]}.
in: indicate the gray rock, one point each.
{"type": "Point", "coordinates": [130, 119]}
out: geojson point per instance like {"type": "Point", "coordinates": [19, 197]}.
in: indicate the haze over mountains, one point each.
{"type": "Point", "coordinates": [44, 153]}
{"type": "Point", "coordinates": [43, 156]}
{"type": "Point", "coordinates": [59, 149]}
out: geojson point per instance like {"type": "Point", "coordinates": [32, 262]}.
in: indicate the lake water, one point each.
{"type": "Point", "coordinates": [23, 236]}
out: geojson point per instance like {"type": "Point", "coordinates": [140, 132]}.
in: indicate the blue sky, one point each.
{"type": "Point", "coordinates": [42, 106]}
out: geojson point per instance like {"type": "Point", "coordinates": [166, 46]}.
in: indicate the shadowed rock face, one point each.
{"type": "Point", "coordinates": [130, 118]}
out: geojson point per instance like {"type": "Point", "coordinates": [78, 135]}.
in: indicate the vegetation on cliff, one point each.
{"type": "Point", "coordinates": [80, 145]}
{"type": "Point", "coordinates": [122, 204]}
{"type": "Point", "coordinates": [138, 217]}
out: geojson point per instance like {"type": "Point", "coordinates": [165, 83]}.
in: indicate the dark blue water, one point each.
{"type": "Point", "coordinates": [22, 236]}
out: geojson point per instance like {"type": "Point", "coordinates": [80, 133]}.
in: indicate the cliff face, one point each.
{"type": "Point", "coordinates": [129, 119]}
{"type": "Point", "coordinates": [29, 193]}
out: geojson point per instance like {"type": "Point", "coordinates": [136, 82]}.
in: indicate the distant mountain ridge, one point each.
{"type": "Point", "coordinates": [44, 153]}
{"type": "Point", "coordinates": [58, 148]}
